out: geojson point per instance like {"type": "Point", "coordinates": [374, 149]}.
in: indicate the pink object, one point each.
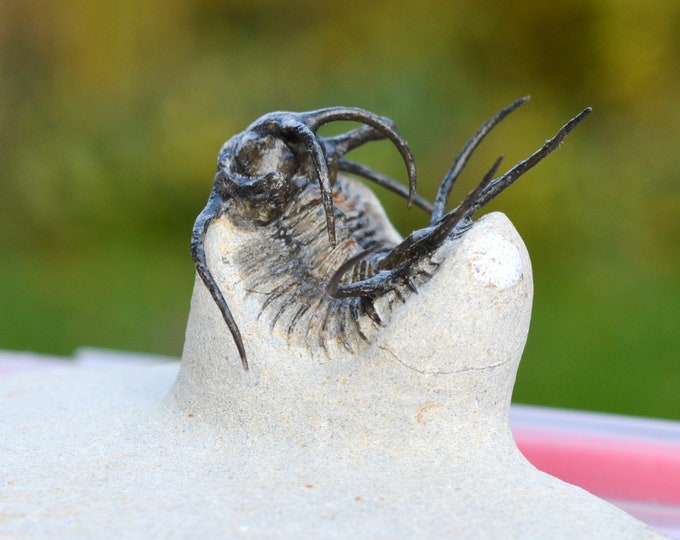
{"type": "Point", "coordinates": [632, 462]}
{"type": "Point", "coordinates": [614, 457]}
{"type": "Point", "coordinates": [610, 467]}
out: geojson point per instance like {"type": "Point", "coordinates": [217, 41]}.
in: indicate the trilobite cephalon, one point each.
{"type": "Point", "coordinates": [322, 255]}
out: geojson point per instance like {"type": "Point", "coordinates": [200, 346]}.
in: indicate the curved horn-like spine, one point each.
{"type": "Point", "coordinates": [442, 198]}
{"type": "Point", "coordinates": [315, 119]}
{"type": "Point", "coordinates": [502, 182]}
{"type": "Point", "coordinates": [382, 180]}
{"type": "Point", "coordinates": [293, 128]}
{"type": "Point", "coordinates": [308, 138]}
{"type": "Point", "coordinates": [203, 221]}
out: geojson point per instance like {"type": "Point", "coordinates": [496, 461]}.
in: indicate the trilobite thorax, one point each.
{"type": "Point", "coordinates": [289, 262]}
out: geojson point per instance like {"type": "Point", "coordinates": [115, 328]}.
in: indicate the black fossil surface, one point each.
{"type": "Point", "coordinates": [321, 254]}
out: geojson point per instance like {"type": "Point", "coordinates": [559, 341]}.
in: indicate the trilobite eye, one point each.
{"type": "Point", "coordinates": [260, 155]}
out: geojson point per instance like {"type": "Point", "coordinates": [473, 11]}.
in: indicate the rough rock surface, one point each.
{"type": "Point", "coordinates": [407, 438]}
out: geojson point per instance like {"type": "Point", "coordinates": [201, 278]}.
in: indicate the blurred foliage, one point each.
{"type": "Point", "coordinates": [112, 113]}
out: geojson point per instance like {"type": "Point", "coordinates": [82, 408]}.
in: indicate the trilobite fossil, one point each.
{"type": "Point", "coordinates": [320, 257]}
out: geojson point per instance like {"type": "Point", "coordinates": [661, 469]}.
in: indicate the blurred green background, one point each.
{"type": "Point", "coordinates": [112, 113]}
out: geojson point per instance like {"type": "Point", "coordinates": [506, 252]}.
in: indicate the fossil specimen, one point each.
{"type": "Point", "coordinates": [324, 262]}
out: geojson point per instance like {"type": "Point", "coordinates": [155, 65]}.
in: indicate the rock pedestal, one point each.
{"type": "Point", "coordinates": [406, 438]}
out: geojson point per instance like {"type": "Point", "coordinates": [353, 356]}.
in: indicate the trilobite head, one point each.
{"type": "Point", "coordinates": [256, 175]}
{"type": "Point", "coordinates": [261, 169]}
{"type": "Point", "coordinates": [318, 256]}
